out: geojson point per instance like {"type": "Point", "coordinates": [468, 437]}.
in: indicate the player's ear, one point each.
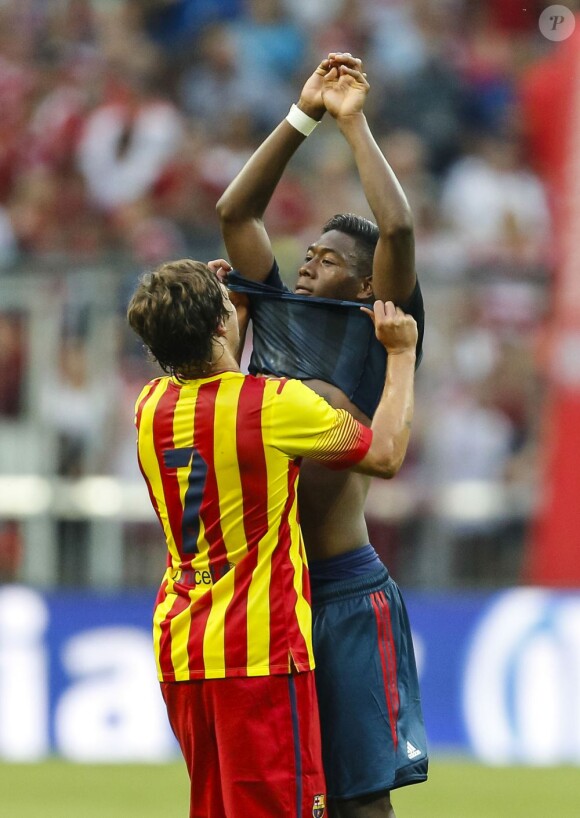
{"type": "Point", "coordinates": [365, 288]}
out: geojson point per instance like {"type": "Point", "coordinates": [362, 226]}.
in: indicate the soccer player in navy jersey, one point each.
{"type": "Point", "coordinates": [372, 725]}
{"type": "Point", "coordinates": [220, 453]}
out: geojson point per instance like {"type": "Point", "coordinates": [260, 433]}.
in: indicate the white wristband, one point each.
{"type": "Point", "coordinates": [301, 121]}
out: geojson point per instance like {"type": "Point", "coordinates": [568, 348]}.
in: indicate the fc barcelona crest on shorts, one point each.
{"type": "Point", "coordinates": [318, 806]}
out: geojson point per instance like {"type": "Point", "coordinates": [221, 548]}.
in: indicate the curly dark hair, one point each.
{"type": "Point", "coordinates": [365, 233]}
{"type": "Point", "coordinates": [176, 310]}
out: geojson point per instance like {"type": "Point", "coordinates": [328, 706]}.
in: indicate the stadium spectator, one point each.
{"type": "Point", "coordinates": [214, 84]}
{"type": "Point", "coordinates": [509, 217]}
{"type": "Point", "coordinates": [126, 145]}
{"type": "Point", "coordinates": [269, 43]}
{"type": "Point", "coordinates": [8, 247]}
{"type": "Point", "coordinates": [75, 408]}
{"type": "Point", "coordinates": [176, 24]}
{"type": "Point", "coordinates": [12, 364]}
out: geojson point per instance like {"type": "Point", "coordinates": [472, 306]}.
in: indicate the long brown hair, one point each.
{"type": "Point", "coordinates": [177, 310]}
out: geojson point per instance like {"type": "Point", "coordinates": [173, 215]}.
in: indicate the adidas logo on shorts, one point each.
{"type": "Point", "coordinates": [412, 752]}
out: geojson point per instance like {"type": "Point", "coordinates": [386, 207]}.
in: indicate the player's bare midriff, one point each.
{"type": "Point", "coordinates": [331, 503]}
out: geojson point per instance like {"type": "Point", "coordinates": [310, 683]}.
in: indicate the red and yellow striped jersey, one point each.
{"type": "Point", "coordinates": [221, 456]}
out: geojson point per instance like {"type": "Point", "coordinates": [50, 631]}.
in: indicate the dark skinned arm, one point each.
{"type": "Point", "coordinates": [344, 92]}
{"type": "Point", "coordinates": [242, 206]}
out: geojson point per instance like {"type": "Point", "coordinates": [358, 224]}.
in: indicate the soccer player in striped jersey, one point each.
{"type": "Point", "coordinates": [373, 733]}
{"type": "Point", "coordinates": [221, 453]}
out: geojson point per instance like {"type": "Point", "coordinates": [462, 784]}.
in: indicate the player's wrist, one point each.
{"type": "Point", "coordinates": [301, 120]}
{"type": "Point", "coordinates": [312, 109]}
{"type": "Point", "coordinates": [404, 355]}
{"type": "Point", "coordinates": [352, 120]}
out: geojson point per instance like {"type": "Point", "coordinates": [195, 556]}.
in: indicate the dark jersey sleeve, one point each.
{"type": "Point", "coordinates": [274, 279]}
{"type": "Point", "coordinates": [414, 306]}
{"type": "Point", "coordinates": [272, 284]}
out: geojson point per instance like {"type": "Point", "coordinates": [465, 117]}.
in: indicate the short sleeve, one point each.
{"type": "Point", "coordinates": [302, 424]}
{"type": "Point", "coordinates": [414, 306]}
{"type": "Point", "coordinates": [274, 279]}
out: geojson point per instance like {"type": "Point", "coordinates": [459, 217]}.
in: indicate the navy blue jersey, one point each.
{"type": "Point", "coordinates": [304, 337]}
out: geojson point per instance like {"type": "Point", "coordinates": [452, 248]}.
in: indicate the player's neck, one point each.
{"type": "Point", "coordinates": [223, 360]}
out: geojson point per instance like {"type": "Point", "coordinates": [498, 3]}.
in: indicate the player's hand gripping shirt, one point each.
{"type": "Point", "coordinates": [221, 456]}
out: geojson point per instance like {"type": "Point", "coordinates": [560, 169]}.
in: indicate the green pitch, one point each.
{"type": "Point", "coordinates": [462, 789]}
{"type": "Point", "coordinates": [456, 789]}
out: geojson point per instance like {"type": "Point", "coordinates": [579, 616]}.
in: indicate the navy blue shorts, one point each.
{"type": "Point", "coordinates": [373, 735]}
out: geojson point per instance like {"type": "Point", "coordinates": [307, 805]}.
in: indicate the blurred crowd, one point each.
{"type": "Point", "coordinates": [122, 121]}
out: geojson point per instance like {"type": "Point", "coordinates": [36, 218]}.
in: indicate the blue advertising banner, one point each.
{"type": "Point", "coordinates": [500, 676]}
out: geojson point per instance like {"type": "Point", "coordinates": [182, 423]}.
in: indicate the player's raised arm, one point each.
{"type": "Point", "coordinates": [241, 207]}
{"type": "Point", "coordinates": [344, 92]}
